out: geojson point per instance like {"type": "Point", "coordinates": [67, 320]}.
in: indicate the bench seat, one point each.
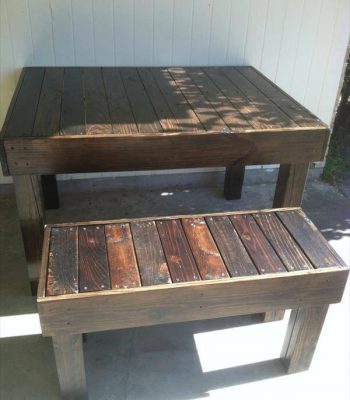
{"type": "Point", "coordinates": [98, 276]}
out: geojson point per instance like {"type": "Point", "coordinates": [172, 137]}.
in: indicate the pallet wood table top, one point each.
{"type": "Point", "coordinates": [103, 119]}
{"type": "Point", "coordinates": [273, 251]}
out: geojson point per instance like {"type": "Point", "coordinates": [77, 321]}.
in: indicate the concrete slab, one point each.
{"type": "Point", "coordinates": [217, 359]}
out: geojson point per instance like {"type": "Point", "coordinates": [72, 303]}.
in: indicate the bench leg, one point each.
{"type": "Point", "coordinates": [50, 192]}
{"type": "Point", "coordinates": [31, 216]}
{"type": "Point", "coordinates": [234, 177]}
{"type": "Point", "coordinates": [304, 328]}
{"type": "Point", "coordinates": [290, 185]}
{"type": "Point", "coordinates": [273, 316]}
{"type": "Point", "coordinates": [70, 366]}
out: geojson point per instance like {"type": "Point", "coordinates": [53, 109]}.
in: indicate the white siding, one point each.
{"type": "Point", "coordinates": [300, 44]}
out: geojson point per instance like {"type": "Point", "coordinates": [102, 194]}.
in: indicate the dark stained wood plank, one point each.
{"type": "Point", "coordinates": [209, 118]}
{"type": "Point", "coordinates": [122, 118]}
{"type": "Point", "coordinates": [280, 239]}
{"type": "Point", "coordinates": [185, 116]}
{"type": "Point", "coordinates": [62, 277]}
{"type": "Point", "coordinates": [145, 117]}
{"type": "Point", "coordinates": [251, 111]}
{"type": "Point", "coordinates": [290, 185]}
{"type": "Point", "coordinates": [98, 119]}
{"type": "Point", "coordinates": [309, 238]}
{"type": "Point", "coordinates": [182, 265]}
{"type": "Point", "coordinates": [287, 104]}
{"type": "Point", "coordinates": [47, 120]}
{"type": "Point", "coordinates": [121, 257]}
{"type": "Point", "coordinates": [232, 117]}
{"type": "Point", "coordinates": [256, 97]}
{"type": "Point", "coordinates": [150, 256]}
{"type": "Point", "coordinates": [163, 111]}
{"type": "Point", "coordinates": [265, 258]}
{"type": "Point", "coordinates": [73, 108]}
{"type": "Point", "coordinates": [231, 248]}
{"type": "Point", "coordinates": [23, 115]}
{"type": "Point", "coordinates": [93, 263]}
{"type": "Point", "coordinates": [206, 254]}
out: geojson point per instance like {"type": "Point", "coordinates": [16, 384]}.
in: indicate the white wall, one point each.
{"type": "Point", "coordinates": [299, 44]}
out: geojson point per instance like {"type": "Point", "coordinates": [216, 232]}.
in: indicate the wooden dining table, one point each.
{"type": "Point", "coordinates": [96, 119]}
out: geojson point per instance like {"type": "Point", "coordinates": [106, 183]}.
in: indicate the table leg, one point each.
{"type": "Point", "coordinates": [304, 328]}
{"type": "Point", "coordinates": [234, 177]}
{"type": "Point", "coordinates": [50, 192]}
{"type": "Point", "coordinates": [69, 358]}
{"type": "Point", "coordinates": [31, 216]}
{"type": "Point", "coordinates": [290, 185]}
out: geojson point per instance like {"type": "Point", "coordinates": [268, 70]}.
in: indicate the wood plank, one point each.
{"type": "Point", "coordinates": [69, 358]}
{"type": "Point", "coordinates": [150, 256]}
{"type": "Point", "coordinates": [98, 119]}
{"type": "Point", "coordinates": [209, 118]}
{"type": "Point", "coordinates": [182, 265]}
{"type": "Point", "coordinates": [256, 97]}
{"type": "Point", "coordinates": [121, 257]}
{"type": "Point", "coordinates": [3, 159]}
{"type": "Point", "coordinates": [258, 247]}
{"type": "Point", "coordinates": [163, 111]}
{"type": "Point", "coordinates": [206, 254]}
{"type": "Point", "coordinates": [62, 277]}
{"type": "Point", "coordinates": [231, 248]}
{"type": "Point", "coordinates": [122, 118]}
{"type": "Point", "coordinates": [304, 329]}
{"type": "Point", "coordinates": [310, 239]}
{"type": "Point", "coordinates": [190, 301]}
{"type": "Point", "coordinates": [93, 263]}
{"type": "Point", "coordinates": [22, 117]}
{"type": "Point", "coordinates": [252, 111]}
{"type": "Point", "coordinates": [47, 120]}
{"type": "Point", "coordinates": [232, 117]}
{"type": "Point", "coordinates": [186, 117]}
{"type": "Point", "coordinates": [112, 153]}
{"type": "Point", "coordinates": [73, 108]}
{"type": "Point", "coordinates": [142, 109]}
{"type": "Point", "coordinates": [287, 104]}
{"type": "Point", "coordinates": [290, 185]}
{"type": "Point", "coordinates": [234, 178]}
{"type": "Point", "coordinates": [280, 239]}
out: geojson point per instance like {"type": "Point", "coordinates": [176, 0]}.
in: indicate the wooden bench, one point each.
{"type": "Point", "coordinates": [99, 276]}
{"type": "Point", "coordinates": [76, 120]}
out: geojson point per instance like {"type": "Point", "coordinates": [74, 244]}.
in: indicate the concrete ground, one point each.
{"type": "Point", "coordinates": [218, 359]}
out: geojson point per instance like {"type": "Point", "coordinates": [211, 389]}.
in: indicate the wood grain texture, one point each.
{"type": "Point", "coordinates": [283, 243]}
{"type": "Point", "coordinates": [150, 256]}
{"type": "Point", "coordinates": [204, 249]}
{"type": "Point", "coordinates": [122, 261]}
{"type": "Point", "coordinates": [122, 118]}
{"type": "Point", "coordinates": [24, 111]}
{"type": "Point", "coordinates": [62, 276]}
{"type": "Point", "coordinates": [48, 114]}
{"type": "Point", "coordinates": [262, 253]}
{"type": "Point", "coordinates": [304, 329]}
{"type": "Point", "coordinates": [290, 185]}
{"type": "Point", "coordinates": [69, 358]}
{"type": "Point", "coordinates": [231, 248]}
{"type": "Point", "coordinates": [98, 120]}
{"type": "Point", "coordinates": [30, 210]}
{"type": "Point", "coordinates": [310, 239]}
{"type": "Point", "coordinates": [112, 152]}
{"type": "Point", "coordinates": [89, 312]}
{"type": "Point", "coordinates": [73, 108]}
{"type": "Point", "coordinates": [93, 262]}
{"type": "Point", "coordinates": [181, 263]}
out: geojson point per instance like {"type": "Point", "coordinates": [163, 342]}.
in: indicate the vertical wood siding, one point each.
{"type": "Point", "coordinates": [299, 44]}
